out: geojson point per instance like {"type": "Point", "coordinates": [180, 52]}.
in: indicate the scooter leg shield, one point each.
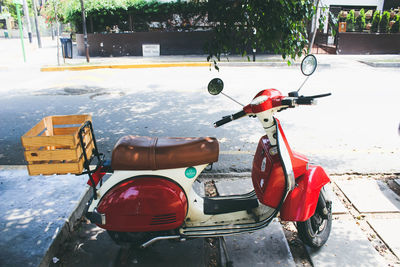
{"type": "Point", "coordinates": [301, 202]}
{"type": "Point", "coordinates": [143, 204]}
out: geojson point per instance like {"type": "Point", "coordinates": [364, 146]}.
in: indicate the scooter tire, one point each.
{"type": "Point", "coordinates": [315, 231]}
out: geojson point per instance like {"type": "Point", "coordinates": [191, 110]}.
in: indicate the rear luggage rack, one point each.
{"type": "Point", "coordinates": [94, 175]}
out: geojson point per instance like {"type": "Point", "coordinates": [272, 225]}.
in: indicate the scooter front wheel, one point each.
{"type": "Point", "coordinates": [315, 231]}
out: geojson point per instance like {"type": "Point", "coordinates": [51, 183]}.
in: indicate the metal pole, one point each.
{"type": "Point", "coordinates": [20, 29]}
{"type": "Point", "coordinates": [315, 29]}
{"type": "Point", "coordinates": [85, 39]}
{"type": "Point", "coordinates": [28, 20]}
{"type": "Point", "coordinates": [36, 24]}
{"type": "Point", "coordinates": [58, 33]}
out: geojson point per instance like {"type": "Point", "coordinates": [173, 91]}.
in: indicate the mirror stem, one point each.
{"type": "Point", "coordinates": [232, 99]}
{"type": "Point", "coordinates": [301, 86]}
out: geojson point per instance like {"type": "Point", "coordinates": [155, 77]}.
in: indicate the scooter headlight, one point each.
{"type": "Point", "coordinates": [259, 100]}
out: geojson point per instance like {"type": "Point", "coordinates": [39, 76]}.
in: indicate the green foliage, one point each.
{"type": "Point", "coordinates": [360, 21]}
{"type": "Point", "coordinates": [396, 26]}
{"type": "Point", "coordinates": [342, 16]}
{"type": "Point", "coordinates": [276, 26]}
{"type": "Point", "coordinates": [368, 15]}
{"type": "Point", "coordinates": [133, 15]}
{"type": "Point", "coordinates": [384, 23]}
{"type": "Point", "coordinates": [9, 4]}
{"type": "Point", "coordinates": [350, 21]}
{"type": "Point", "coordinates": [375, 21]}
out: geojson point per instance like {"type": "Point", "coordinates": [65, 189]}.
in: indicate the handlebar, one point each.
{"type": "Point", "coordinates": [230, 118]}
{"type": "Point", "coordinates": [301, 100]}
{"type": "Point", "coordinates": [290, 101]}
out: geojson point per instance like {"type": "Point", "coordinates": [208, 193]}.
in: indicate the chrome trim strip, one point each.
{"type": "Point", "coordinates": [224, 230]}
{"type": "Point", "coordinates": [244, 196]}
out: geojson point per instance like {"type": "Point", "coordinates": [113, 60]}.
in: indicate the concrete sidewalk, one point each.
{"type": "Point", "coordinates": [45, 58]}
{"type": "Point", "coordinates": [38, 215]}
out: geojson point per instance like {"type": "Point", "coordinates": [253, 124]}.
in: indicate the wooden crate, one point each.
{"type": "Point", "coordinates": [53, 147]}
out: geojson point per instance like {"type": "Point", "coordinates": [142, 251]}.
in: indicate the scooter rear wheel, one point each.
{"type": "Point", "coordinates": [315, 231]}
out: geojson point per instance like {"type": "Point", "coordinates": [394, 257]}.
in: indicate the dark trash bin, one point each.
{"type": "Point", "coordinates": [66, 44]}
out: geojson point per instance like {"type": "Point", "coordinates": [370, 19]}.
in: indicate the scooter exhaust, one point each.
{"type": "Point", "coordinates": [158, 238]}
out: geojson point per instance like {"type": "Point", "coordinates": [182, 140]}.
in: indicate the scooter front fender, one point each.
{"type": "Point", "coordinates": [301, 202]}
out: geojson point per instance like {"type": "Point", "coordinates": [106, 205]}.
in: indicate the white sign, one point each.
{"type": "Point", "coordinates": [151, 50]}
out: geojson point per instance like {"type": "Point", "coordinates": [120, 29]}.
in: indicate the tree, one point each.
{"type": "Point", "coordinates": [274, 26]}
{"type": "Point", "coordinates": [239, 26]}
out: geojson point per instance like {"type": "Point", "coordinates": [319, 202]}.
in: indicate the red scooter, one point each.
{"type": "Point", "coordinates": [149, 195]}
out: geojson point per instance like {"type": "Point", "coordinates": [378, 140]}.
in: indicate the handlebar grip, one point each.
{"type": "Point", "coordinates": [230, 118]}
{"type": "Point", "coordinates": [238, 115]}
{"type": "Point", "coordinates": [222, 121]}
{"type": "Point", "coordinates": [304, 101]}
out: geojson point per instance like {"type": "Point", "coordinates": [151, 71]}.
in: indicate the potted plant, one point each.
{"type": "Point", "coordinates": [360, 21]}
{"type": "Point", "coordinates": [368, 14]}
{"type": "Point", "coordinates": [396, 25]}
{"type": "Point", "coordinates": [342, 21]}
{"type": "Point", "coordinates": [384, 23]}
{"type": "Point", "coordinates": [350, 21]}
{"type": "Point", "coordinates": [375, 21]}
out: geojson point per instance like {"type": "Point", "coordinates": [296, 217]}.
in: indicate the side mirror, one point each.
{"type": "Point", "coordinates": [215, 86]}
{"type": "Point", "coordinates": [308, 65]}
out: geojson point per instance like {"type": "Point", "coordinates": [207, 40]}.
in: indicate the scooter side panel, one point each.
{"type": "Point", "coordinates": [144, 204]}
{"type": "Point", "coordinates": [267, 174]}
{"type": "Point", "coordinates": [301, 202]}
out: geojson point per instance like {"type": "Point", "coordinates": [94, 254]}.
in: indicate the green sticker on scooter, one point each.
{"type": "Point", "coordinates": [190, 172]}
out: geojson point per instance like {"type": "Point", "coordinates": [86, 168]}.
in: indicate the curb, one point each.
{"type": "Point", "coordinates": [126, 66]}
{"type": "Point", "coordinates": [66, 229]}
{"type": "Point", "coordinates": [382, 64]}
{"type": "Point", "coordinates": [172, 65]}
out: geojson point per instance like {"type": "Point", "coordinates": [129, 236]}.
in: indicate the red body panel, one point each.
{"type": "Point", "coordinates": [301, 202]}
{"type": "Point", "coordinates": [299, 163]}
{"type": "Point", "coordinates": [268, 178]}
{"type": "Point", "coordinates": [274, 100]}
{"type": "Point", "coordinates": [144, 204]}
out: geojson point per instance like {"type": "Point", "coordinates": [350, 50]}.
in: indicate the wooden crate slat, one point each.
{"type": "Point", "coordinates": [60, 154]}
{"type": "Point", "coordinates": [56, 140]}
{"type": "Point", "coordinates": [49, 126]}
{"type": "Point", "coordinates": [57, 168]}
{"type": "Point", "coordinates": [65, 130]}
{"type": "Point", "coordinates": [35, 130]}
{"type": "Point", "coordinates": [70, 119]}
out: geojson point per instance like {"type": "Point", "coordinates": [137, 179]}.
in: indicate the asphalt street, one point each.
{"type": "Point", "coordinates": [354, 130]}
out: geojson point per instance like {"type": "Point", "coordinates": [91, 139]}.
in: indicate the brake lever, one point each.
{"type": "Point", "coordinates": [315, 96]}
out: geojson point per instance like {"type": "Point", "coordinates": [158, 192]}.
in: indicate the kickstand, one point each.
{"type": "Point", "coordinates": [223, 244]}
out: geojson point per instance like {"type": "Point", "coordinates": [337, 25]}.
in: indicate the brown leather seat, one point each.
{"type": "Point", "coordinates": [154, 153]}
